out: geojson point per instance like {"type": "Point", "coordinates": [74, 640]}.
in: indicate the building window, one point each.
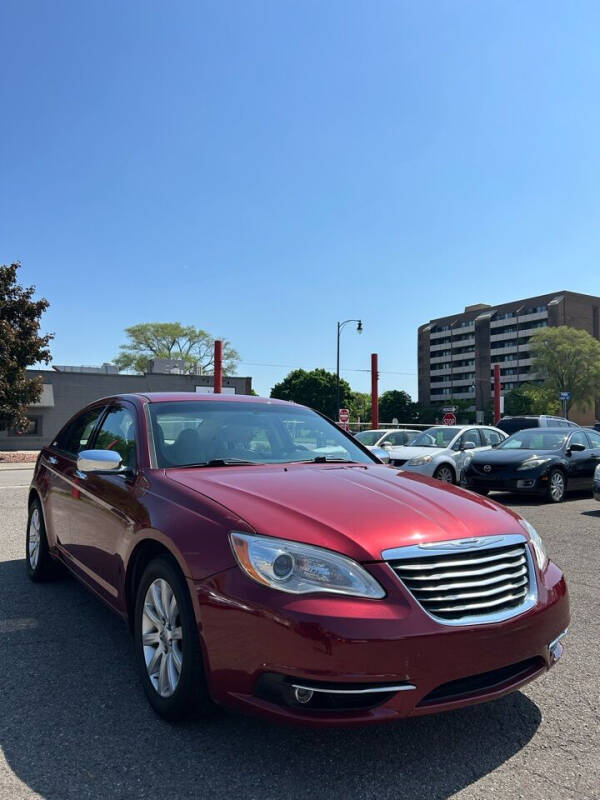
{"type": "Point", "coordinates": [33, 428]}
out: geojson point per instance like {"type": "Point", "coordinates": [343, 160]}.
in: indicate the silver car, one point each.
{"type": "Point", "coordinates": [386, 438]}
{"type": "Point", "coordinates": [440, 451]}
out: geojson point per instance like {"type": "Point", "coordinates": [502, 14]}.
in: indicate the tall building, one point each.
{"type": "Point", "coordinates": [457, 353]}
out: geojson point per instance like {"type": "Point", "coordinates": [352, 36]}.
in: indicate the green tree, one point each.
{"type": "Point", "coordinates": [569, 361]}
{"type": "Point", "coordinates": [397, 404]}
{"type": "Point", "coordinates": [529, 398]}
{"type": "Point", "coordinates": [21, 346]}
{"type": "Point", "coordinates": [315, 388]}
{"type": "Point", "coordinates": [359, 405]}
{"type": "Point", "coordinates": [193, 346]}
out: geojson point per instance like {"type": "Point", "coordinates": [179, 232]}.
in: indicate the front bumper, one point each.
{"type": "Point", "coordinates": [252, 633]}
{"type": "Point", "coordinates": [526, 481]}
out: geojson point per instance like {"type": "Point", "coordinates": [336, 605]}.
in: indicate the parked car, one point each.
{"type": "Point", "coordinates": [511, 425]}
{"type": "Point", "coordinates": [254, 574]}
{"type": "Point", "coordinates": [440, 451]}
{"type": "Point", "coordinates": [386, 438]}
{"type": "Point", "coordinates": [547, 461]}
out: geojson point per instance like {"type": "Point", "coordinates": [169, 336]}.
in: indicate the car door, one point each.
{"type": "Point", "coordinates": [491, 437]}
{"type": "Point", "coordinates": [581, 463]}
{"type": "Point", "coordinates": [471, 435]}
{"type": "Point", "coordinates": [59, 463]}
{"type": "Point", "coordinates": [104, 518]}
{"type": "Point", "coordinates": [594, 440]}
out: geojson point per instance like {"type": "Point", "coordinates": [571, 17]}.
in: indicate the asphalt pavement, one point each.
{"type": "Point", "coordinates": [74, 722]}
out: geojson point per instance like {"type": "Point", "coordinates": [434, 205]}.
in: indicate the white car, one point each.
{"type": "Point", "coordinates": [386, 438]}
{"type": "Point", "coordinates": [440, 451]}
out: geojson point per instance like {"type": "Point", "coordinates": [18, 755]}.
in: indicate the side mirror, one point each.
{"type": "Point", "coordinates": [467, 446]}
{"type": "Point", "coordinates": [577, 448]}
{"type": "Point", "coordinates": [99, 461]}
{"type": "Point", "coordinates": [386, 445]}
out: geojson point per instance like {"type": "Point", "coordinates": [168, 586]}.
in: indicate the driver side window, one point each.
{"type": "Point", "coordinates": [579, 438]}
{"type": "Point", "coordinates": [471, 436]}
{"type": "Point", "coordinates": [118, 433]}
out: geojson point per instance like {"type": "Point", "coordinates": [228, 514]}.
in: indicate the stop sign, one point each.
{"type": "Point", "coordinates": [449, 419]}
{"type": "Point", "coordinates": [344, 415]}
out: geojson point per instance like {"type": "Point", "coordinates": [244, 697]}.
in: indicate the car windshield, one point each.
{"type": "Point", "coordinates": [436, 437]}
{"type": "Point", "coordinates": [227, 433]}
{"type": "Point", "coordinates": [534, 439]}
{"type": "Point", "coordinates": [369, 438]}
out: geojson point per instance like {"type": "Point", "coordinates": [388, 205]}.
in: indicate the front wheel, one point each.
{"type": "Point", "coordinates": [557, 486]}
{"type": "Point", "coordinates": [445, 474]}
{"type": "Point", "coordinates": [40, 564]}
{"type": "Point", "coordinates": [168, 645]}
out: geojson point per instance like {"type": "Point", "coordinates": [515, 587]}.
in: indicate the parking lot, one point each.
{"type": "Point", "coordinates": [74, 722]}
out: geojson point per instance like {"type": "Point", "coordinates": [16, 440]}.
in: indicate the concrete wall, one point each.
{"type": "Point", "coordinates": [71, 391]}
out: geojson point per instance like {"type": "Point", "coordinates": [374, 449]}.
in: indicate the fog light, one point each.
{"type": "Point", "coordinates": [303, 695]}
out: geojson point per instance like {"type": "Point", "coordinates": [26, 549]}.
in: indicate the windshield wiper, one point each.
{"type": "Point", "coordinates": [328, 460]}
{"type": "Point", "coordinates": [222, 462]}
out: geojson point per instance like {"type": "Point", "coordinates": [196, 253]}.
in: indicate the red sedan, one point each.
{"type": "Point", "coordinates": [266, 561]}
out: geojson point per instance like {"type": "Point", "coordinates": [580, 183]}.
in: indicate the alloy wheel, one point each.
{"type": "Point", "coordinates": [445, 475]}
{"type": "Point", "coordinates": [162, 637]}
{"type": "Point", "coordinates": [557, 486]}
{"type": "Point", "coordinates": [33, 546]}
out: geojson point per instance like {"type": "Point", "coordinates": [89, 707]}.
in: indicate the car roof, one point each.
{"type": "Point", "coordinates": [174, 397]}
{"type": "Point", "coordinates": [548, 429]}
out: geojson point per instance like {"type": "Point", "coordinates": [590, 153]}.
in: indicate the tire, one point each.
{"type": "Point", "coordinates": [557, 486]}
{"type": "Point", "coordinates": [168, 649]}
{"type": "Point", "coordinates": [445, 473]}
{"type": "Point", "coordinates": [40, 564]}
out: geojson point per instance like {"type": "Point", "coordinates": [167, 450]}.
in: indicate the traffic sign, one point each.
{"type": "Point", "coordinates": [449, 419]}
{"type": "Point", "coordinates": [449, 409]}
{"type": "Point", "coordinates": [344, 415]}
{"type": "Point", "coordinates": [565, 395]}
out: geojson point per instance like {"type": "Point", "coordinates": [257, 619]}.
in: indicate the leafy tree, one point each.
{"type": "Point", "coordinates": [21, 346]}
{"type": "Point", "coordinates": [397, 403]}
{"type": "Point", "coordinates": [193, 346]}
{"type": "Point", "coordinates": [530, 398]}
{"type": "Point", "coordinates": [359, 405]}
{"type": "Point", "coordinates": [569, 361]}
{"type": "Point", "coordinates": [516, 402]}
{"type": "Point", "coordinates": [315, 388]}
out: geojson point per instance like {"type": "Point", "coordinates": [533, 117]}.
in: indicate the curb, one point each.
{"type": "Point", "coordinates": [18, 465]}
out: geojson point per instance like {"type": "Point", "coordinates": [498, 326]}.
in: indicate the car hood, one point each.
{"type": "Point", "coordinates": [356, 510]}
{"type": "Point", "coordinates": [407, 452]}
{"type": "Point", "coordinates": [515, 456]}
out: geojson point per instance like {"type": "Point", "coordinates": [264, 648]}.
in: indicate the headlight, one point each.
{"type": "Point", "coordinates": [467, 461]}
{"type": "Point", "coordinates": [532, 463]}
{"type": "Point", "coordinates": [538, 545]}
{"type": "Point", "coordinates": [300, 568]}
{"type": "Point", "coordinates": [597, 473]}
{"type": "Point", "coordinates": [416, 462]}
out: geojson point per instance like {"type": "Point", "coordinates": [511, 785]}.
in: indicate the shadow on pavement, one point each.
{"type": "Point", "coordinates": [74, 723]}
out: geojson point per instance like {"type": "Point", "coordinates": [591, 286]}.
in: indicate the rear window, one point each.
{"type": "Point", "coordinates": [511, 425]}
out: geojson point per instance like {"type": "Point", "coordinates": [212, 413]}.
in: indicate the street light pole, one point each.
{"type": "Point", "coordinates": [340, 325]}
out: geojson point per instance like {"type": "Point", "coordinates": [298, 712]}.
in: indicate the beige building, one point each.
{"type": "Point", "coordinates": [457, 353]}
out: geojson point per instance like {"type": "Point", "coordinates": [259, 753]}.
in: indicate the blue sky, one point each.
{"type": "Point", "coordinates": [263, 169]}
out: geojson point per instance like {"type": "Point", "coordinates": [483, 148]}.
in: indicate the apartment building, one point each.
{"type": "Point", "coordinates": [457, 353]}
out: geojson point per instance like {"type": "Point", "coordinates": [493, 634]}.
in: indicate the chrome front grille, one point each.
{"type": "Point", "coordinates": [468, 580]}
